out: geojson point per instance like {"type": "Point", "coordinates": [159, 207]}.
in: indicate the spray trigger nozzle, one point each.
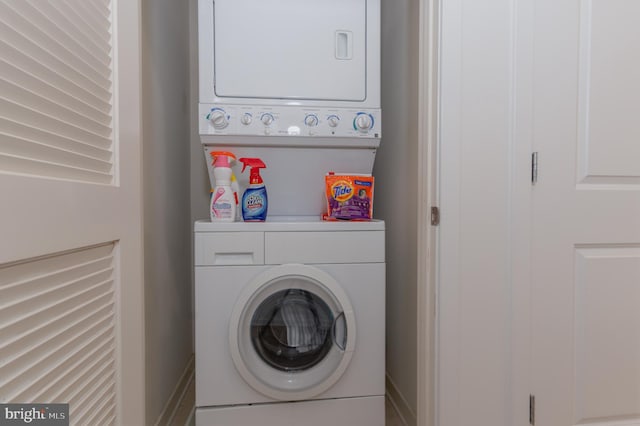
{"type": "Point", "coordinates": [255, 164]}
{"type": "Point", "coordinates": [225, 158]}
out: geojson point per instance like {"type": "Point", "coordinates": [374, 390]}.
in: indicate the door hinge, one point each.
{"type": "Point", "coordinates": [534, 168]}
{"type": "Point", "coordinates": [435, 216]}
{"type": "Point", "coordinates": [532, 409]}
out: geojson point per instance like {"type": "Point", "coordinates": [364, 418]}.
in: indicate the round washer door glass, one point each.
{"type": "Point", "coordinates": [292, 332]}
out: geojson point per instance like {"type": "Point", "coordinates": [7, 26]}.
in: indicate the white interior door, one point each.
{"type": "Point", "coordinates": [586, 218]}
{"type": "Point", "coordinates": [71, 319]}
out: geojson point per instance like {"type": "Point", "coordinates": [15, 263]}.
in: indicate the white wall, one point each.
{"type": "Point", "coordinates": [200, 185]}
{"type": "Point", "coordinates": [396, 195]}
{"type": "Point", "coordinates": [167, 223]}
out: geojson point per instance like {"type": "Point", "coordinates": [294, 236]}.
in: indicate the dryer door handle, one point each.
{"type": "Point", "coordinates": [340, 331]}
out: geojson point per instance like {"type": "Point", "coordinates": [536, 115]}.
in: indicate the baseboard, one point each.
{"type": "Point", "coordinates": [169, 412]}
{"type": "Point", "coordinates": [399, 403]}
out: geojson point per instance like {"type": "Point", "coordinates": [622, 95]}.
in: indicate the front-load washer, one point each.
{"type": "Point", "coordinates": [289, 319]}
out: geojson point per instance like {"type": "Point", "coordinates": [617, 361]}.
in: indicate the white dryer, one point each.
{"type": "Point", "coordinates": [290, 323]}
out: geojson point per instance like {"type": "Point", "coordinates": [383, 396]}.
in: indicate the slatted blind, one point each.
{"type": "Point", "coordinates": [57, 333]}
{"type": "Point", "coordinates": [56, 91]}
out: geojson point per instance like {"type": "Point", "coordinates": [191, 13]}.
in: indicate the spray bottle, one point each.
{"type": "Point", "coordinates": [234, 182]}
{"type": "Point", "coordinates": [254, 199]}
{"type": "Point", "coordinates": [223, 200]}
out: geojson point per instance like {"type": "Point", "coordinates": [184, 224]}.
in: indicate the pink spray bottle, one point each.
{"type": "Point", "coordinates": [223, 199]}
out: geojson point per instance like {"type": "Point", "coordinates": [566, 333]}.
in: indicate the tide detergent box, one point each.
{"type": "Point", "coordinates": [349, 197]}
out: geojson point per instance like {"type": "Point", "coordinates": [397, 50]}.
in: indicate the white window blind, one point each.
{"type": "Point", "coordinates": [56, 89]}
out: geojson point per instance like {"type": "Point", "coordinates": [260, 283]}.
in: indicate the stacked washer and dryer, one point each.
{"type": "Point", "coordinates": [289, 313]}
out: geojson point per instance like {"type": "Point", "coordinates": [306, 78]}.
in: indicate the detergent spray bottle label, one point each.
{"type": "Point", "coordinates": [254, 199]}
{"type": "Point", "coordinates": [254, 204]}
{"type": "Point", "coordinates": [222, 204]}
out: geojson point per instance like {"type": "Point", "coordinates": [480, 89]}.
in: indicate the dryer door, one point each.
{"type": "Point", "coordinates": [290, 49]}
{"type": "Point", "coordinates": [292, 332]}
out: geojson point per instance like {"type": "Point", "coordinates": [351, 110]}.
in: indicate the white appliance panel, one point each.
{"type": "Point", "coordinates": [283, 224]}
{"type": "Point", "coordinates": [227, 396]}
{"type": "Point", "coordinates": [367, 411]}
{"type": "Point", "coordinates": [290, 121]}
{"type": "Point", "coordinates": [266, 57]}
{"type": "Point", "coordinates": [303, 49]}
{"type": "Point", "coordinates": [217, 290]}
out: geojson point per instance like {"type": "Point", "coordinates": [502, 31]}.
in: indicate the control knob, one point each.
{"type": "Point", "coordinates": [246, 119]}
{"type": "Point", "coordinates": [363, 122]}
{"type": "Point", "coordinates": [311, 120]}
{"type": "Point", "coordinates": [333, 121]}
{"type": "Point", "coordinates": [218, 119]}
{"type": "Point", "coordinates": [267, 119]}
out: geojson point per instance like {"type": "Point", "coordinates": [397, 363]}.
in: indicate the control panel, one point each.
{"type": "Point", "coordinates": [217, 119]}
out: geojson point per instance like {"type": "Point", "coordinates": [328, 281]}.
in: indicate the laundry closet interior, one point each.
{"type": "Point", "coordinates": [353, 151]}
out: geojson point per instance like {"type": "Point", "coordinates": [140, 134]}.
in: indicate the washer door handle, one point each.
{"type": "Point", "coordinates": [340, 331]}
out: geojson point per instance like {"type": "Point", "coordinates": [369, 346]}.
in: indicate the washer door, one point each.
{"type": "Point", "coordinates": [292, 332]}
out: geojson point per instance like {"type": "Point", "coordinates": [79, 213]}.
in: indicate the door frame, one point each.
{"type": "Point", "coordinates": [127, 65]}
{"type": "Point", "coordinates": [428, 169]}
{"type": "Point", "coordinates": [515, 61]}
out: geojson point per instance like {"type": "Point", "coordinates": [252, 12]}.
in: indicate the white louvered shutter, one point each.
{"type": "Point", "coordinates": [56, 93]}
{"type": "Point", "coordinates": [71, 327]}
